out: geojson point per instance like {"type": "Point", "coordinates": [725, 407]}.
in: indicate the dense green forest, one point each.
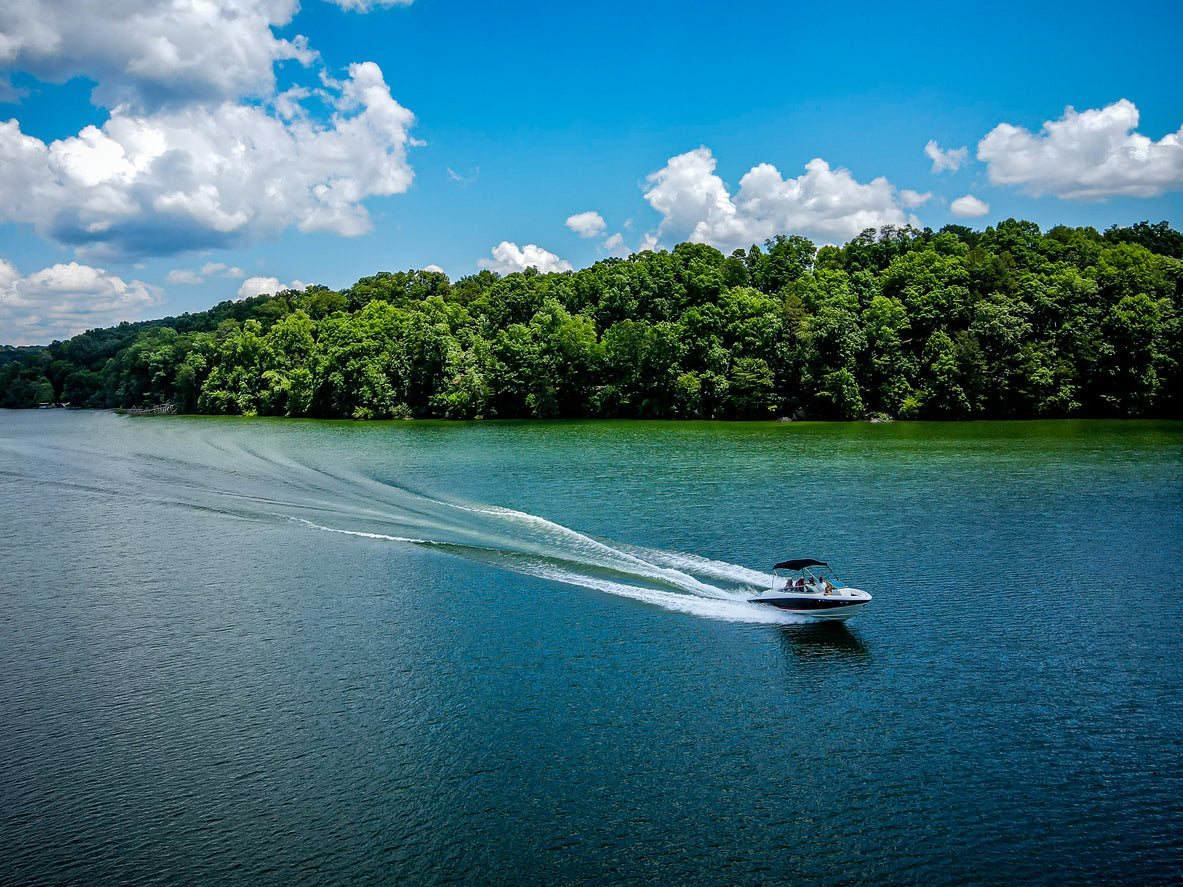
{"type": "Point", "coordinates": [1010, 322]}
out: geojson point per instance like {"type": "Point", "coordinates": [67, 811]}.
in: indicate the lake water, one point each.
{"type": "Point", "coordinates": [286, 652]}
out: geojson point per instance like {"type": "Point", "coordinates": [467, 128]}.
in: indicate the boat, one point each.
{"type": "Point", "coordinates": [797, 588]}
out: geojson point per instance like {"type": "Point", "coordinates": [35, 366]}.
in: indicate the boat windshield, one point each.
{"type": "Point", "coordinates": [804, 578]}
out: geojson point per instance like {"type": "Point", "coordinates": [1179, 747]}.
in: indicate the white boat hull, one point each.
{"type": "Point", "coordinates": [818, 606]}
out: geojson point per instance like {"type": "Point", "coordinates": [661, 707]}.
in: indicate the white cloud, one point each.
{"type": "Point", "coordinates": [221, 270]}
{"type": "Point", "coordinates": [66, 299]}
{"type": "Point", "coordinates": [591, 224]}
{"type": "Point", "coordinates": [587, 224]}
{"type": "Point", "coordinates": [367, 5]}
{"type": "Point", "coordinates": [198, 151]}
{"type": "Point", "coordinates": [951, 160]}
{"type": "Point", "coordinates": [185, 276]}
{"type": "Point", "coordinates": [969, 207]}
{"type": "Point", "coordinates": [461, 180]}
{"type": "Point", "coordinates": [693, 201]}
{"type": "Point", "coordinates": [151, 53]}
{"type": "Point", "coordinates": [193, 177]}
{"type": "Point", "coordinates": [1088, 155]}
{"type": "Point", "coordinates": [824, 204]}
{"type": "Point", "coordinates": [209, 269]}
{"type": "Point", "coordinates": [615, 246]}
{"type": "Point", "coordinates": [434, 268]}
{"type": "Point", "coordinates": [912, 199]}
{"type": "Point", "coordinates": [508, 258]}
{"type": "Point", "coordinates": [257, 286]}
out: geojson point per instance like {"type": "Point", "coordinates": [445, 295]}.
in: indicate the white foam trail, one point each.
{"type": "Point", "coordinates": [710, 608]}
{"type": "Point", "coordinates": [364, 535]}
{"type": "Point", "coordinates": [612, 556]}
{"type": "Point", "coordinates": [706, 567]}
{"type": "Point", "coordinates": [718, 605]}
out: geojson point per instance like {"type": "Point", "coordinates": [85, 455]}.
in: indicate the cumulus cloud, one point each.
{"type": "Point", "coordinates": [508, 258]}
{"type": "Point", "coordinates": [257, 286]}
{"type": "Point", "coordinates": [951, 160]}
{"type": "Point", "coordinates": [1088, 155]}
{"type": "Point", "coordinates": [151, 53]}
{"type": "Point", "coordinates": [824, 204]}
{"type": "Point", "coordinates": [969, 207]}
{"type": "Point", "coordinates": [199, 150]}
{"type": "Point", "coordinates": [436, 269]}
{"type": "Point", "coordinates": [198, 176]}
{"type": "Point", "coordinates": [66, 299]}
{"type": "Point", "coordinates": [587, 224]}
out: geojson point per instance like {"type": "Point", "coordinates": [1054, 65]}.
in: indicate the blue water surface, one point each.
{"type": "Point", "coordinates": [284, 652]}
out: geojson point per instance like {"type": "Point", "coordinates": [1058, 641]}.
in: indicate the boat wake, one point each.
{"type": "Point", "coordinates": [363, 506]}
{"type": "Point", "coordinates": [231, 477]}
{"type": "Point", "coordinates": [674, 581]}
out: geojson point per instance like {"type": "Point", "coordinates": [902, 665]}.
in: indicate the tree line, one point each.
{"type": "Point", "coordinates": [1010, 322]}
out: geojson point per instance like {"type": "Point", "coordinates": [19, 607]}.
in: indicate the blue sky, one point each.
{"type": "Point", "coordinates": [158, 157]}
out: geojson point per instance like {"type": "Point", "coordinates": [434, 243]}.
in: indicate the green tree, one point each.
{"type": "Point", "coordinates": [751, 390]}
{"type": "Point", "coordinates": [889, 368]}
{"type": "Point", "coordinates": [942, 395]}
{"type": "Point", "coordinates": [1160, 238]}
{"type": "Point", "coordinates": [643, 364]}
{"type": "Point", "coordinates": [784, 260]}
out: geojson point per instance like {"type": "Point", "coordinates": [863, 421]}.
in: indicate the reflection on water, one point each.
{"type": "Point", "coordinates": [823, 643]}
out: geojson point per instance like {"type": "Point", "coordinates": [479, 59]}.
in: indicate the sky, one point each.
{"type": "Point", "coordinates": [161, 156]}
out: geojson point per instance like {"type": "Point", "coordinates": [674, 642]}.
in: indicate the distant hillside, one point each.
{"type": "Point", "coordinates": [1010, 322]}
{"type": "Point", "coordinates": [11, 353]}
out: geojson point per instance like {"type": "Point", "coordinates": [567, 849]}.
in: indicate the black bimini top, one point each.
{"type": "Point", "coordinates": [800, 564]}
